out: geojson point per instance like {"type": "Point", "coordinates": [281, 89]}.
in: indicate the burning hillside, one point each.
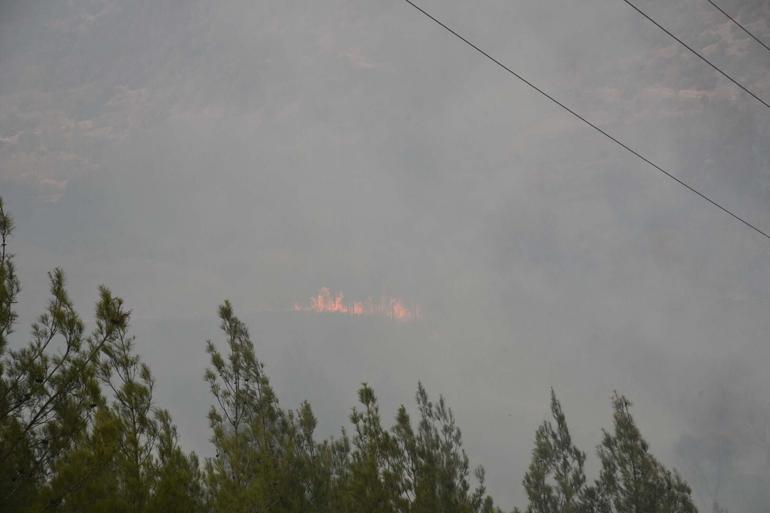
{"type": "Point", "coordinates": [388, 307]}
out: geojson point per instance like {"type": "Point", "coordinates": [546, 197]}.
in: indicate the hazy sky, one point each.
{"type": "Point", "coordinates": [183, 152]}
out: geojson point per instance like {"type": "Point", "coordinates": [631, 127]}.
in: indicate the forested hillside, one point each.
{"type": "Point", "coordinates": [81, 432]}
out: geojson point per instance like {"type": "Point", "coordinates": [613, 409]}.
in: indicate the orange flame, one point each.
{"type": "Point", "coordinates": [391, 308]}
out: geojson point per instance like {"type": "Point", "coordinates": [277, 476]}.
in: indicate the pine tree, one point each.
{"type": "Point", "coordinates": [555, 481]}
{"type": "Point", "coordinates": [247, 425]}
{"type": "Point", "coordinates": [334, 473]}
{"type": "Point", "coordinates": [153, 473]}
{"type": "Point", "coordinates": [61, 447]}
{"type": "Point", "coordinates": [131, 385]}
{"type": "Point", "coordinates": [631, 479]}
{"type": "Point", "coordinates": [84, 479]}
{"type": "Point", "coordinates": [375, 483]}
{"type": "Point", "coordinates": [49, 391]}
{"type": "Point", "coordinates": [435, 466]}
{"type": "Point", "coordinates": [9, 282]}
{"type": "Point", "coordinates": [178, 486]}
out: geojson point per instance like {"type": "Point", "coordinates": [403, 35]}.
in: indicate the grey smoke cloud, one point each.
{"type": "Point", "coordinates": [186, 152]}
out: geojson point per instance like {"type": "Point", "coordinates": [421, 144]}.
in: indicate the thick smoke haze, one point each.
{"type": "Point", "coordinates": [183, 152]}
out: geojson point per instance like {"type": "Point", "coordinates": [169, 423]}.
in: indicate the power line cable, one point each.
{"type": "Point", "coordinates": [695, 52]}
{"type": "Point", "coordinates": [586, 121]}
{"type": "Point", "coordinates": [741, 26]}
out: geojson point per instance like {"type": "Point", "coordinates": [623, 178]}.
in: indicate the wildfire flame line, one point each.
{"type": "Point", "coordinates": [389, 307]}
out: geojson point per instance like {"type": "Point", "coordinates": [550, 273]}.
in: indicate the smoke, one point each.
{"type": "Point", "coordinates": [183, 152]}
{"type": "Point", "coordinates": [725, 446]}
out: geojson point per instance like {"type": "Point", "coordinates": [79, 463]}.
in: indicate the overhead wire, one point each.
{"type": "Point", "coordinates": [698, 54]}
{"type": "Point", "coordinates": [736, 22]}
{"type": "Point", "coordinates": [588, 122]}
